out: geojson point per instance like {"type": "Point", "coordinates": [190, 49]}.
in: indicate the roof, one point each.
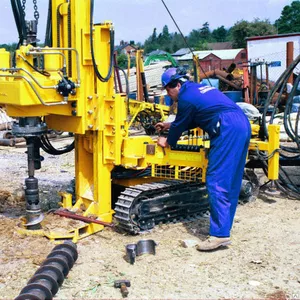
{"type": "Point", "coordinates": [155, 52]}
{"type": "Point", "coordinates": [220, 46]}
{"type": "Point", "coordinates": [275, 36]}
{"type": "Point", "coordinates": [181, 52]}
{"type": "Point", "coordinates": [121, 47]}
{"type": "Point", "coordinates": [222, 54]}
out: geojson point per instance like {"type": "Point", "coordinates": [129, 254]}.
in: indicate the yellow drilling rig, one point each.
{"type": "Point", "coordinates": [68, 85]}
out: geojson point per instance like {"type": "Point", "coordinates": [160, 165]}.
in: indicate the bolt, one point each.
{"type": "Point", "coordinates": [90, 112]}
{"type": "Point", "coordinates": [90, 97]}
{"type": "Point", "coordinates": [90, 126]}
{"type": "Point", "coordinates": [74, 104]}
{"type": "Point", "coordinates": [74, 112]}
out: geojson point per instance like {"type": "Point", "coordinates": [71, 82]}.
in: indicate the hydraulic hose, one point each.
{"type": "Point", "coordinates": [287, 121]}
{"type": "Point", "coordinates": [280, 83]}
{"type": "Point", "coordinates": [112, 36]}
{"type": "Point", "coordinates": [48, 147]}
{"type": "Point", "coordinates": [280, 87]}
{"type": "Point", "coordinates": [19, 19]}
{"type": "Point", "coordinates": [20, 23]}
{"type": "Point", "coordinates": [127, 87]}
{"type": "Point", "coordinates": [48, 34]}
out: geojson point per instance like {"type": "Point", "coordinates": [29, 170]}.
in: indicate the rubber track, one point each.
{"type": "Point", "coordinates": [141, 207]}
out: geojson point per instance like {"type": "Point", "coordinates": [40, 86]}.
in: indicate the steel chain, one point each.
{"type": "Point", "coordinates": [23, 6]}
{"type": "Point", "coordinates": [36, 13]}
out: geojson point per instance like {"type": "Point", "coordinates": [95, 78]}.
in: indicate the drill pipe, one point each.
{"type": "Point", "coordinates": [7, 142]}
{"type": "Point", "coordinates": [71, 215]}
{"type": "Point", "coordinates": [49, 277]}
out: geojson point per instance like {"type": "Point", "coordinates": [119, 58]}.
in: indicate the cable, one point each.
{"type": "Point", "coordinates": [127, 87]}
{"type": "Point", "coordinates": [48, 34]}
{"type": "Point", "coordinates": [19, 19]}
{"type": "Point", "coordinates": [21, 25]}
{"type": "Point", "coordinates": [112, 33]}
{"type": "Point", "coordinates": [185, 41]}
{"type": "Point", "coordinates": [123, 173]}
{"type": "Point", "coordinates": [291, 188]}
{"type": "Point", "coordinates": [280, 83]}
{"type": "Point", "coordinates": [48, 147]}
{"type": "Point", "coordinates": [42, 72]}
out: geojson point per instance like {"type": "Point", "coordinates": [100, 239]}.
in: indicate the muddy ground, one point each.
{"type": "Point", "coordinates": [262, 262]}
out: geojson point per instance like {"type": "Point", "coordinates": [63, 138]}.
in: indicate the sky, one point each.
{"type": "Point", "coordinates": [136, 19]}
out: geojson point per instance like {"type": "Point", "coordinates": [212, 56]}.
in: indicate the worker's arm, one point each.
{"type": "Point", "coordinates": [184, 118]}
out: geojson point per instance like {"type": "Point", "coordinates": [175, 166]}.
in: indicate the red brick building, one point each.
{"type": "Point", "coordinates": [215, 59]}
{"type": "Point", "coordinates": [125, 48]}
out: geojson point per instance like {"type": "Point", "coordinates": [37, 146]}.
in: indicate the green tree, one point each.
{"type": "Point", "coordinates": [239, 32]}
{"type": "Point", "coordinates": [262, 27]}
{"type": "Point", "coordinates": [161, 41]}
{"type": "Point", "coordinates": [164, 38]}
{"type": "Point", "coordinates": [289, 20]}
{"type": "Point", "coordinates": [201, 46]}
{"type": "Point", "coordinates": [219, 34]}
{"type": "Point", "coordinates": [154, 36]}
{"type": "Point", "coordinates": [151, 42]}
{"type": "Point", "coordinates": [205, 32]}
{"type": "Point", "coordinates": [177, 42]}
{"type": "Point", "coordinates": [9, 47]}
{"type": "Point", "coordinates": [243, 29]}
{"type": "Point", "coordinates": [194, 37]}
{"type": "Point", "coordinates": [122, 61]}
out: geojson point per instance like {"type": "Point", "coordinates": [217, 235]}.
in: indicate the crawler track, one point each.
{"type": "Point", "coordinates": [141, 207]}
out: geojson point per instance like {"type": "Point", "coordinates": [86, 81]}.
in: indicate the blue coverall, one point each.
{"type": "Point", "coordinates": [229, 130]}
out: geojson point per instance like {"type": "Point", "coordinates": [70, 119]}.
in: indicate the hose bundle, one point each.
{"type": "Point", "coordinates": [285, 183]}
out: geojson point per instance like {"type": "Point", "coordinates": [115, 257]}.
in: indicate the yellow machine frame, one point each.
{"type": "Point", "coordinates": [97, 116]}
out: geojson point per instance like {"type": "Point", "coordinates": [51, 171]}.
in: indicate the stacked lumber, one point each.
{"type": "Point", "coordinates": [152, 73]}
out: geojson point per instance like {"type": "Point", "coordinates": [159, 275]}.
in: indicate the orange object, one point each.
{"type": "Point", "coordinates": [246, 84]}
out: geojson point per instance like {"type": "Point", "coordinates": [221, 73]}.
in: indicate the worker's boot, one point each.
{"type": "Point", "coordinates": [213, 243]}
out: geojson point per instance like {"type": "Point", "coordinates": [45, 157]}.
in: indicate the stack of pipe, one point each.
{"type": "Point", "coordinates": [8, 139]}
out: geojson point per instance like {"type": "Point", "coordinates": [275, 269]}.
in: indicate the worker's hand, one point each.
{"type": "Point", "coordinates": [162, 126]}
{"type": "Point", "coordinates": [162, 141]}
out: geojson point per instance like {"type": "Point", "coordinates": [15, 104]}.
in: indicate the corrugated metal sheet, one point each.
{"type": "Point", "coordinates": [182, 51]}
{"type": "Point", "coordinates": [222, 54]}
{"type": "Point", "coordinates": [220, 45]}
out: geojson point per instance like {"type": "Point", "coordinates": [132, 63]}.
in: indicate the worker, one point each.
{"type": "Point", "coordinates": [229, 130]}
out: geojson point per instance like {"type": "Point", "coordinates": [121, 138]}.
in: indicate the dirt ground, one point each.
{"type": "Point", "coordinates": [262, 262]}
